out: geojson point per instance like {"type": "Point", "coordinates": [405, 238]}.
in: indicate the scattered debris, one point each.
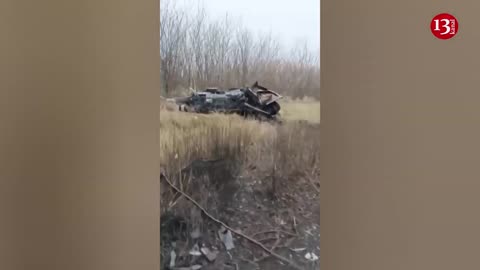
{"type": "Point", "coordinates": [226, 227]}
{"type": "Point", "coordinates": [298, 249]}
{"type": "Point", "coordinates": [195, 251]}
{"type": "Point", "coordinates": [173, 257]}
{"type": "Point", "coordinates": [280, 221]}
{"type": "Point", "coordinates": [311, 256]}
{"type": "Point", "coordinates": [226, 237]}
{"type": "Point", "coordinates": [211, 255]}
{"type": "Point", "coordinates": [309, 232]}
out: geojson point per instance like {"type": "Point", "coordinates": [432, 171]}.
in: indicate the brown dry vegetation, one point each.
{"type": "Point", "coordinates": [305, 109]}
{"type": "Point", "coordinates": [185, 137]}
{"type": "Point", "coordinates": [283, 158]}
{"type": "Point", "coordinates": [249, 174]}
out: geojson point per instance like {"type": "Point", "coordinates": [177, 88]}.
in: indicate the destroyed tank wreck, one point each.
{"type": "Point", "coordinates": [256, 101]}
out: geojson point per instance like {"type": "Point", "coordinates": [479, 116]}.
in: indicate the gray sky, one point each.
{"type": "Point", "coordinates": [289, 21]}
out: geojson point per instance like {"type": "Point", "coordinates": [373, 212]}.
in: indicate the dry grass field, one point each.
{"type": "Point", "coordinates": [275, 161]}
{"type": "Point", "coordinates": [185, 137]}
{"type": "Point", "coordinates": [307, 110]}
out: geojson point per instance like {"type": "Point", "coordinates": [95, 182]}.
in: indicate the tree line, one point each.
{"type": "Point", "coordinates": [198, 52]}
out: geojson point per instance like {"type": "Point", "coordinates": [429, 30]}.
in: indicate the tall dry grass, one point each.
{"type": "Point", "coordinates": [288, 148]}
{"type": "Point", "coordinates": [285, 154]}
{"type": "Point", "coordinates": [186, 137]}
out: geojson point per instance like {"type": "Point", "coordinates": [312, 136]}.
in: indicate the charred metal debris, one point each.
{"type": "Point", "coordinates": [256, 101]}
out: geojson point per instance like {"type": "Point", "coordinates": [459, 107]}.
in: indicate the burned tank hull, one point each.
{"type": "Point", "coordinates": [256, 101]}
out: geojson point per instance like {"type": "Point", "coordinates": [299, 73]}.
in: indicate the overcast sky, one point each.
{"type": "Point", "coordinates": [291, 21]}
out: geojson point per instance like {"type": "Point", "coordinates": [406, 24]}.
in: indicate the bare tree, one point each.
{"type": "Point", "coordinates": [197, 52]}
{"type": "Point", "coordinates": [172, 37]}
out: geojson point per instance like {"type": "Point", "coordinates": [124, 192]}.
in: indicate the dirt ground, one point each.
{"type": "Point", "coordinates": [289, 222]}
{"type": "Point", "coordinates": [286, 221]}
